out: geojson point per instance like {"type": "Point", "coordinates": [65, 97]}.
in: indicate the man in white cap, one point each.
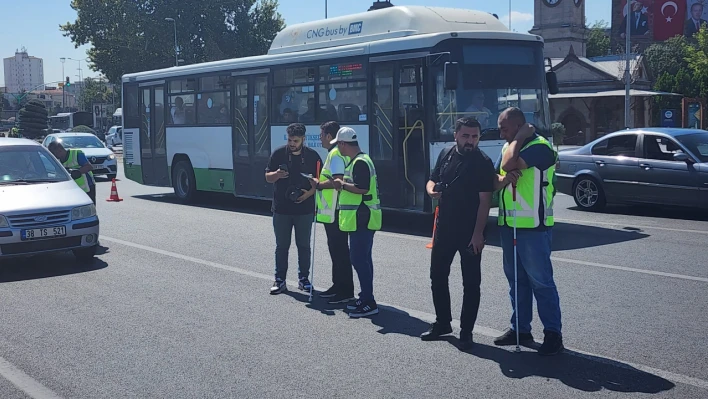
{"type": "Point", "coordinates": [359, 215]}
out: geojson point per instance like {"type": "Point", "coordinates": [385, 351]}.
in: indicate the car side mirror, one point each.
{"type": "Point", "coordinates": [682, 157]}
{"type": "Point", "coordinates": [450, 75]}
{"type": "Point", "coordinates": [552, 82]}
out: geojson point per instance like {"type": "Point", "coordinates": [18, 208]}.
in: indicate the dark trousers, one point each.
{"type": "Point", "coordinates": [92, 193]}
{"type": "Point", "coordinates": [362, 244]}
{"type": "Point", "coordinates": [338, 244]}
{"type": "Point", "coordinates": [283, 227]}
{"type": "Point", "coordinates": [445, 246]}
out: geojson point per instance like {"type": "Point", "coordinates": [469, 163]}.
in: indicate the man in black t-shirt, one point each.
{"type": "Point", "coordinates": [463, 182]}
{"type": "Point", "coordinates": [293, 204]}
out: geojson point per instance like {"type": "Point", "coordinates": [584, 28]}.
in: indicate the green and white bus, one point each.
{"type": "Point", "coordinates": [399, 76]}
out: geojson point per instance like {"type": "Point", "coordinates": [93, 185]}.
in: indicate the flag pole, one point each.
{"type": "Point", "coordinates": [627, 73]}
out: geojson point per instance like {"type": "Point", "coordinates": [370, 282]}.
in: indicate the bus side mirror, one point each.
{"type": "Point", "coordinates": [450, 75]}
{"type": "Point", "coordinates": [552, 82]}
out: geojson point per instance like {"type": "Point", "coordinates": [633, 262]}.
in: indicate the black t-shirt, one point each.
{"type": "Point", "coordinates": [467, 176]}
{"type": "Point", "coordinates": [362, 179]}
{"type": "Point", "coordinates": [305, 162]}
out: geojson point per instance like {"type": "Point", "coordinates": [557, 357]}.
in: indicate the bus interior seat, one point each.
{"type": "Point", "coordinates": [349, 112]}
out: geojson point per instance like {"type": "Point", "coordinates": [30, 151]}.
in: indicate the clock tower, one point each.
{"type": "Point", "coordinates": [561, 24]}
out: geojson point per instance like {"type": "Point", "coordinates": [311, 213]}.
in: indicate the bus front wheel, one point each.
{"type": "Point", "coordinates": [183, 182]}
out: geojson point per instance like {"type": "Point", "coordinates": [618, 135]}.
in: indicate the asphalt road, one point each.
{"type": "Point", "coordinates": [177, 306]}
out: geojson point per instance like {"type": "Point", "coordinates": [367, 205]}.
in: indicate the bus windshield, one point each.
{"type": "Point", "coordinates": [493, 78]}
{"type": "Point", "coordinates": [59, 122]}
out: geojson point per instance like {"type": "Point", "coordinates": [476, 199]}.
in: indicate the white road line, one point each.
{"type": "Point", "coordinates": [486, 331]}
{"type": "Point", "coordinates": [24, 382]}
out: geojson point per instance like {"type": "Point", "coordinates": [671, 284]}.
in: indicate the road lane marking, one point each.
{"type": "Point", "coordinates": [24, 382]}
{"type": "Point", "coordinates": [424, 316]}
{"type": "Point", "coordinates": [572, 261]}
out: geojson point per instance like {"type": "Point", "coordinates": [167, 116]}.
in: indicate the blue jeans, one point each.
{"type": "Point", "coordinates": [361, 244]}
{"type": "Point", "coordinates": [535, 277]}
{"type": "Point", "coordinates": [283, 228]}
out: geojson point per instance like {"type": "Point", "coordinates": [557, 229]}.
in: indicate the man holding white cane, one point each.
{"type": "Point", "coordinates": [526, 223]}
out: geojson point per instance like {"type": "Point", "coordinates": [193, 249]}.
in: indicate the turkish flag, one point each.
{"type": "Point", "coordinates": [669, 17]}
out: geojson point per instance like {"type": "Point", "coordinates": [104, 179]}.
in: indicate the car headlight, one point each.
{"type": "Point", "coordinates": [83, 212]}
{"type": "Point", "coordinates": [3, 222]}
{"type": "Point", "coordinates": [111, 157]}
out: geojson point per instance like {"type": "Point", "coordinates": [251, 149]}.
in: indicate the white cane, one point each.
{"type": "Point", "coordinates": [312, 256]}
{"type": "Point", "coordinates": [516, 274]}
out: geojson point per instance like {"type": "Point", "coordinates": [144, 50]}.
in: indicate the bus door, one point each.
{"type": "Point", "coordinates": [397, 142]}
{"type": "Point", "coordinates": [251, 133]}
{"type": "Point", "coordinates": [153, 143]}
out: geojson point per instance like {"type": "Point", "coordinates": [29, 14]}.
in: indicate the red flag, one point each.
{"type": "Point", "coordinates": [669, 17]}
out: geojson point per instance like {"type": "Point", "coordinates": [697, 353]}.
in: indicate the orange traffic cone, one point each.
{"type": "Point", "coordinates": [435, 222]}
{"type": "Point", "coordinates": [114, 193]}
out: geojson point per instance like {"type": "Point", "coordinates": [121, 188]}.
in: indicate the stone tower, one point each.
{"type": "Point", "coordinates": [561, 23]}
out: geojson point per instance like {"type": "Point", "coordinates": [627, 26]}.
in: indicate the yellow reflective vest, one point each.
{"type": "Point", "coordinates": [349, 202]}
{"type": "Point", "coordinates": [326, 199]}
{"type": "Point", "coordinates": [72, 162]}
{"type": "Point", "coordinates": [534, 195]}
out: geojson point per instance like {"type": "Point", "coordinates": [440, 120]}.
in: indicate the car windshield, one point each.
{"type": "Point", "coordinates": [697, 143]}
{"type": "Point", "coordinates": [29, 164]}
{"type": "Point", "coordinates": [80, 142]}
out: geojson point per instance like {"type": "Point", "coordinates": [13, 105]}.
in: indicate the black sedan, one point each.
{"type": "Point", "coordinates": [664, 166]}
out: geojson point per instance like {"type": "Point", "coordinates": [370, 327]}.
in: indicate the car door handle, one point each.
{"type": "Point", "coordinates": [645, 166]}
{"type": "Point", "coordinates": [600, 163]}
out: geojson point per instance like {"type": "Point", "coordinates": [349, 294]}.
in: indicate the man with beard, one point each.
{"type": "Point", "coordinates": [293, 204]}
{"type": "Point", "coordinates": [463, 182]}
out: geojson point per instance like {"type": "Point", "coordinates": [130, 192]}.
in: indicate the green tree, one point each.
{"type": "Point", "coordinates": [598, 43]}
{"type": "Point", "coordinates": [132, 35]}
{"type": "Point", "coordinates": [94, 91]}
{"type": "Point", "coordinates": [82, 129]}
{"type": "Point", "coordinates": [33, 119]}
{"type": "Point", "coordinates": [558, 132]}
{"type": "Point", "coordinates": [668, 56]}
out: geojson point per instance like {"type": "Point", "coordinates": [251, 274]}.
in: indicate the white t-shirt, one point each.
{"type": "Point", "coordinates": [336, 166]}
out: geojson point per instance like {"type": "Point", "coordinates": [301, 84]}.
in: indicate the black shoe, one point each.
{"type": "Point", "coordinates": [339, 298]}
{"type": "Point", "coordinates": [436, 331]}
{"type": "Point", "coordinates": [366, 309]}
{"type": "Point", "coordinates": [509, 338]}
{"type": "Point", "coordinates": [355, 305]}
{"type": "Point", "coordinates": [332, 291]}
{"type": "Point", "coordinates": [304, 284]}
{"type": "Point", "coordinates": [466, 342]}
{"type": "Point", "coordinates": [552, 344]}
{"type": "Point", "coordinates": [278, 287]}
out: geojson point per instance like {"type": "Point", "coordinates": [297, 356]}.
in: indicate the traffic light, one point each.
{"type": "Point", "coordinates": [67, 82]}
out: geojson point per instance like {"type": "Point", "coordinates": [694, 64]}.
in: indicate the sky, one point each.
{"type": "Point", "coordinates": [34, 24]}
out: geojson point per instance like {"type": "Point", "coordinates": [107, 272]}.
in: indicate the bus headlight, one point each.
{"type": "Point", "coordinates": [83, 212]}
{"type": "Point", "coordinates": [3, 222]}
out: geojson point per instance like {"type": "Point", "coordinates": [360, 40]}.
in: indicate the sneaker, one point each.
{"type": "Point", "coordinates": [355, 305]}
{"type": "Point", "coordinates": [339, 298]}
{"type": "Point", "coordinates": [509, 338]}
{"type": "Point", "coordinates": [552, 344]}
{"type": "Point", "coordinates": [466, 342]}
{"type": "Point", "coordinates": [436, 331]}
{"type": "Point", "coordinates": [366, 309]}
{"type": "Point", "coordinates": [278, 287]}
{"type": "Point", "coordinates": [304, 284]}
{"type": "Point", "coordinates": [332, 291]}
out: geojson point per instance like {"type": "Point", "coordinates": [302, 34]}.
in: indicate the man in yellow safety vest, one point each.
{"type": "Point", "coordinates": [359, 215]}
{"type": "Point", "coordinates": [327, 198]}
{"type": "Point", "coordinates": [78, 166]}
{"type": "Point", "coordinates": [533, 159]}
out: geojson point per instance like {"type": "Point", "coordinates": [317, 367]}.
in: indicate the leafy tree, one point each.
{"type": "Point", "coordinates": [697, 59]}
{"type": "Point", "coordinates": [558, 132]}
{"type": "Point", "coordinates": [598, 43]}
{"type": "Point", "coordinates": [82, 129]}
{"type": "Point", "coordinates": [94, 91]}
{"type": "Point", "coordinates": [132, 35]}
{"type": "Point", "coordinates": [668, 56]}
{"type": "Point", "coordinates": [33, 119]}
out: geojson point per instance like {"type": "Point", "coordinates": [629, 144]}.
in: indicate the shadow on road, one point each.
{"type": "Point", "coordinates": [579, 371]}
{"type": "Point", "coordinates": [47, 266]}
{"type": "Point", "coordinates": [652, 211]}
{"type": "Point", "coordinates": [566, 236]}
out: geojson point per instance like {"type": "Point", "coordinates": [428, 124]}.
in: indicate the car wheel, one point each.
{"type": "Point", "coordinates": [85, 254]}
{"type": "Point", "coordinates": [184, 182]}
{"type": "Point", "coordinates": [588, 194]}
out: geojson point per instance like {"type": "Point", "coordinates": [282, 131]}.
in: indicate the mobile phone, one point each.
{"type": "Point", "coordinates": [283, 167]}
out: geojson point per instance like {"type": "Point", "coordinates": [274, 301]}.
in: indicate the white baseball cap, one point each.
{"type": "Point", "coordinates": [345, 134]}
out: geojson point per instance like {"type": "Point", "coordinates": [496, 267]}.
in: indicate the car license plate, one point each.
{"type": "Point", "coordinates": [49, 232]}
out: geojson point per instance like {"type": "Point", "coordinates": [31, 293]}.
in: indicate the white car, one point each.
{"type": "Point", "coordinates": [42, 209]}
{"type": "Point", "coordinates": [114, 137]}
{"type": "Point", "coordinates": [103, 160]}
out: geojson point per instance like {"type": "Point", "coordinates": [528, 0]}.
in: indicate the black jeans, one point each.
{"type": "Point", "coordinates": [338, 244]}
{"type": "Point", "coordinates": [445, 246]}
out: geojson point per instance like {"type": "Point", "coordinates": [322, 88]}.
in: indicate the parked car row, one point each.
{"type": "Point", "coordinates": [652, 166]}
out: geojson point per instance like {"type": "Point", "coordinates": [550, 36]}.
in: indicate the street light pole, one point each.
{"type": "Point", "coordinates": [175, 25]}
{"type": "Point", "coordinates": [509, 14]}
{"type": "Point", "coordinates": [627, 73]}
{"type": "Point", "coordinates": [325, 9]}
{"type": "Point", "coordinates": [63, 89]}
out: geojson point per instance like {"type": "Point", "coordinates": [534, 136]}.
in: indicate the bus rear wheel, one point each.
{"type": "Point", "coordinates": [184, 182]}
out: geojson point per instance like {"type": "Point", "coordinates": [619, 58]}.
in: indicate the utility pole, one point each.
{"type": "Point", "coordinates": [176, 48]}
{"type": "Point", "coordinates": [63, 91]}
{"type": "Point", "coordinates": [509, 15]}
{"type": "Point", "coordinates": [627, 73]}
{"type": "Point", "coordinates": [325, 9]}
